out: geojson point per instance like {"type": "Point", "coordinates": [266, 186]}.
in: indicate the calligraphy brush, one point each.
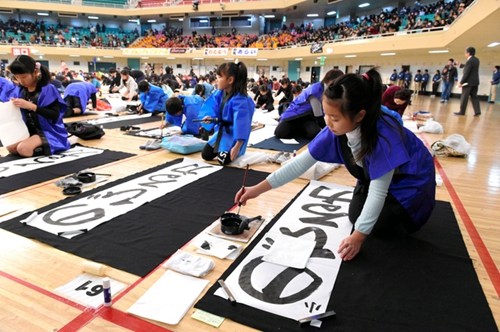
{"type": "Point", "coordinates": [162, 121]}
{"type": "Point", "coordinates": [243, 187]}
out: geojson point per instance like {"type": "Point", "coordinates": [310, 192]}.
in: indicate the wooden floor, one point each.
{"type": "Point", "coordinates": [30, 271]}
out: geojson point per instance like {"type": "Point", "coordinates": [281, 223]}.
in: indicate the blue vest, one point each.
{"type": "Point", "coordinates": [414, 180]}
{"type": "Point", "coordinates": [192, 109]}
{"type": "Point", "coordinates": [54, 131]}
{"type": "Point", "coordinates": [154, 100]}
{"type": "Point", "coordinates": [82, 90]}
{"type": "Point", "coordinates": [7, 89]}
{"type": "Point", "coordinates": [300, 106]}
{"type": "Point", "coordinates": [234, 119]}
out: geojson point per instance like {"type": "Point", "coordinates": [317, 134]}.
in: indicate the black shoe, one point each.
{"type": "Point", "coordinates": [491, 102]}
{"type": "Point", "coordinates": [458, 113]}
{"type": "Point", "coordinates": [477, 114]}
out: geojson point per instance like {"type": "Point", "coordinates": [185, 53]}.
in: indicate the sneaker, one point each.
{"type": "Point", "coordinates": [145, 145]}
{"type": "Point", "coordinates": [155, 145]}
{"type": "Point", "coordinates": [442, 101]}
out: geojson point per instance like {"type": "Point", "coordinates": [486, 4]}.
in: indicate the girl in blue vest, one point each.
{"type": "Point", "coordinates": [231, 109]}
{"type": "Point", "coordinates": [304, 115]}
{"type": "Point", "coordinates": [77, 95]}
{"type": "Point", "coordinates": [188, 107]}
{"type": "Point", "coordinates": [42, 109]}
{"type": "Point", "coordinates": [7, 89]}
{"type": "Point", "coordinates": [395, 190]}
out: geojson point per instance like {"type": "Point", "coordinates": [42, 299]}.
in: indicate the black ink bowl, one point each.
{"type": "Point", "coordinates": [234, 224]}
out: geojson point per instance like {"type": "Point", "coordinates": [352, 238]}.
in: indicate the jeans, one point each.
{"type": "Point", "coordinates": [446, 90]}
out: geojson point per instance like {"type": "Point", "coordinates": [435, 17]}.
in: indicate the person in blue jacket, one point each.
{"type": "Point", "coordinates": [393, 79]}
{"type": "Point", "coordinates": [190, 107]}
{"type": "Point", "coordinates": [304, 115]}
{"type": "Point", "coordinates": [232, 110]}
{"type": "Point", "coordinates": [152, 98]}
{"type": "Point", "coordinates": [425, 81]}
{"type": "Point", "coordinates": [395, 190]}
{"type": "Point", "coordinates": [7, 88]}
{"type": "Point", "coordinates": [77, 95]}
{"type": "Point", "coordinates": [42, 109]}
{"type": "Point", "coordinates": [418, 82]}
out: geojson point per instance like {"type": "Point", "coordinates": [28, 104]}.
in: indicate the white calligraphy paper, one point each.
{"type": "Point", "coordinates": [72, 219]}
{"type": "Point", "coordinates": [169, 298]}
{"type": "Point", "coordinates": [24, 165]}
{"type": "Point", "coordinates": [12, 126]}
{"type": "Point", "coordinates": [320, 213]}
{"type": "Point", "coordinates": [109, 119]}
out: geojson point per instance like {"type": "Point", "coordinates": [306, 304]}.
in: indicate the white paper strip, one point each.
{"type": "Point", "coordinates": [169, 299]}
{"type": "Point", "coordinates": [82, 215]}
{"type": "Point", "coordinates": [320, 213]}
{"type": "Point", "coordinates": [24, 165]}
{"type": "Point", "coordinates": [12, 126]}
{"type": "Point", "coordinates": [119, 118]}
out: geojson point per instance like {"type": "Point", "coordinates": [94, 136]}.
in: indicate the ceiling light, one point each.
{"type": "Point", "coordinates": [312, 15]}
{"type": "Point", "coordinates": [261, 59]}
{"type": "Point", "coordinates": [74, 55]}
{"type": "Point", "coordinates": [108, 56]}
{"type": "Point", "coordinates": [363, 5]}
{"type": "Point", "coordinates": [493, 44]}
{"type": "Point", "coordinates": [42, 14]}
{"type": "Point", "coordinates": [439, 51]}
{"type": "Point", "coordinates": [333, 12]}
{"type": "Point", "coordinates": [351, 56]}
{"type": "Point", "coordinates": [170, 58]}
{"type": "Point", "coordinates": [197, 58]}
{"type": "Point", "coordinates": [298, 59]}
{"type": "Point", "coordinates": [229, 59]}
{"type": "Point", "coordinates": [93, 18]}
{"type": "Point", "coordinates": [269, 16]}
{"type": "Point", "coordinates": [387, 54]}
{"type": "Point", "coordinates": [181, 19]}
{"type": "Point", "coordinates": [144, 57]}
{"type": "Point", "coordinates": [151, 21]}
{"type": "Point", "coordinates": [203, 21]}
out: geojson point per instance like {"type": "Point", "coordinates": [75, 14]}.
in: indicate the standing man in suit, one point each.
{"type": "Point", "coordinates": [470, 82]}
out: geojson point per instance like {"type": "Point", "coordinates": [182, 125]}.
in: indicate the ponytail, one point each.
{"type": "Point", "coordinates": [355, 93]}
{"type": "Point", "coordinates": [24, 64]}
{"type": "Point", "coordinates": [240, 74]}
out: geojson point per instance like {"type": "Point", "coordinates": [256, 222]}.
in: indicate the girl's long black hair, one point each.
{"type": "Point", "coordinates": [240, 74]}
{"type": "Point", "coordinates": [24, 64]}
{"type": "Point", "coordinates": [354, 93]}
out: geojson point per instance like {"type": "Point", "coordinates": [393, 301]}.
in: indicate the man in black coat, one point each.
{"type": "Point", "coordinates": [470, 83]}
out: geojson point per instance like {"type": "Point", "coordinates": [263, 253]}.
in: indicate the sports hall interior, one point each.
{"type": "Point", "coordinates": [31, 270]}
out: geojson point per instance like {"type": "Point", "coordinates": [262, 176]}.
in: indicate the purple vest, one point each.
{"type": "Point", "coordinates": [300, 106]}
{"type": "Point", "coordinates": [414, 180]}
{"type": "Point", "coordinates": [54, 131]}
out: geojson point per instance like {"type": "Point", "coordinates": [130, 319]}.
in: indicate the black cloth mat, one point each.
{"type": "Point", "coordinates": [274, 143]}
{"type": "Point", "coordinates": [30, 178]}
{"type": "Point", "coordinates": [131, 122]}
{"type": "Point", "coordinates": [136, 133]}
{"type": "Point", "coordinates": [425, 282]}
{"type": "Point", "coordinates": [140, 240]}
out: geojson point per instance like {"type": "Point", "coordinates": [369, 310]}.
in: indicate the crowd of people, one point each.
{"type": "Point", "coordinates": [417, 17]}
{"type": "Point", "coordinates": [435, 15]}
{"type": "Point", "coordinates": [38, 32]}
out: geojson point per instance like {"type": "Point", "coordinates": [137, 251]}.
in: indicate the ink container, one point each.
{"type": "Point", "coordinates": [106, 291]}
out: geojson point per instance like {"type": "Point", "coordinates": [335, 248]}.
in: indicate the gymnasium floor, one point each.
{"type": "Point", "coordinates": [30, 271]}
